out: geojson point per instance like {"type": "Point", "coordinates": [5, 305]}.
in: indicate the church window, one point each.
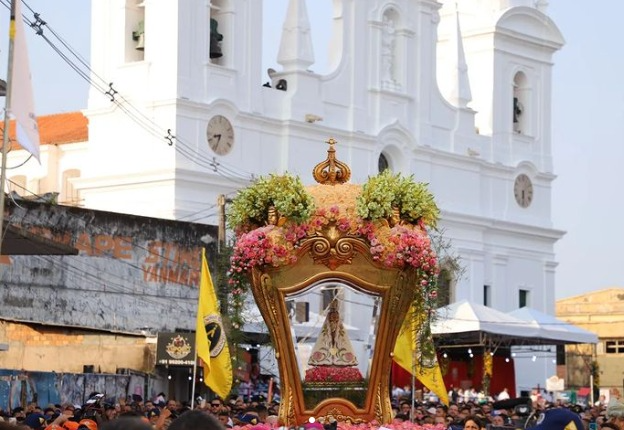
{"type": "Point", "coordinates": [523, 298]}
{"type": "Point", "coordinates": [383, 163]}
{"type": "Point", "coordinates": [445, 286]}
{"type": "Point", "coordinates": [520, 104]}
{"type": "Point", "coordinates": [219, 39]}
{"type": "Point", "coordinates": [487, 295]}
{"type": "Point", "coordinates": [135, 29]}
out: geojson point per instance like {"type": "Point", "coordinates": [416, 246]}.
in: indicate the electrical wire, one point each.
{"type": "Point", "coordinates": [86, 270]}
{"type": "Point", "coordinates": [107, 89]}
{"type": "Point", "coordinates": [183, 147]}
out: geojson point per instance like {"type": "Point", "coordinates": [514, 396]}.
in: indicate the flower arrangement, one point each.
{"type": "Point", "coordinates": [400, 245]}
{"type": "Point", "coordinates": [404, 246]}
{"type": "Point", "coordinates": [333, 374]}
{"type": "Point", "coordinates": [285, 193]}
{"type": "Point", "coordinates": [386, 191]}
{"type": "Point", "coordinates": [359, 211]}
{"type": "Point", "coordinates": [395, 425]}
{"type": "Point", "coordinates": [265, 246]}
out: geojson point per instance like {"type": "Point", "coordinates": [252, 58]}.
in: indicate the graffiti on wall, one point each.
{"type": "Point", "coordinates": [130, 271]}
{"type": "Point", "coordinates": [20, 388]}
{"type": "Point", "coordinates": [158, 261]}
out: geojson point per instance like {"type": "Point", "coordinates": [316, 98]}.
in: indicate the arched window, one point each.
{"type": "Point", "coordinates": [135, 30]}
{"type": "Point", "coordinates": [383, 163]}
{"type": "Point", "coordinates": [445, 287]}
{"type": "Point", "coordinates": [520, 113]}
{"type": "Point", "coordinates": [220, 33]}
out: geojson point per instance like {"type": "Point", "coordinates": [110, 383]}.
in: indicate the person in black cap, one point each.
{"type": "Point", "coordinates": [35, 421]}
{"type": "Point", "coordinates": [110, 412]}
{"type": "Point", "coordinates": [153, 415]}
{"type": "Point", "coordinates": [559, 419]}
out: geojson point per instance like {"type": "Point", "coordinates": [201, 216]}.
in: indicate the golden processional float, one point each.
{"type": "Point", "coordinates": [360, 255]}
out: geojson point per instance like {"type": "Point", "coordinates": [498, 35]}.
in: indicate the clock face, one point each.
{"type": "Point", "coordinates": [523, 190]}
{"type": "Point", "coordinates": [220, 135]}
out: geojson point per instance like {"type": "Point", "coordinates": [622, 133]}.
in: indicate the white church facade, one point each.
{"type": "Point", "coordinates": [181, 111]}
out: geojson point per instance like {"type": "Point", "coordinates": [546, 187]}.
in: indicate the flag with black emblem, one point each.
{"type": "Point", "coordinates": [210, 341]}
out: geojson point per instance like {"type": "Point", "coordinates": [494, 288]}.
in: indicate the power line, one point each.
{"type": "Point", "coordinates": [83, 69]}
{"type": "Point", "coordinates": [87, 271]}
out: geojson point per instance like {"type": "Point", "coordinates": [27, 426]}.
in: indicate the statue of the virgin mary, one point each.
{"type": "Point", "coordinates": [333, 347]}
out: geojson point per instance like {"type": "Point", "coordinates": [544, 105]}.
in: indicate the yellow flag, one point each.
{"type": "Point", "coordinates": [425, 369]}
{"type": "Point", "coordinates": [210, 342]}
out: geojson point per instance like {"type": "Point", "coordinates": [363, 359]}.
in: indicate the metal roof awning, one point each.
{"type": "Point", "coordinates": [553, 329]}
{"type": "Point", "coordinates": [18, 241]}
{"type": "Point", "coordinates": [465, 323]}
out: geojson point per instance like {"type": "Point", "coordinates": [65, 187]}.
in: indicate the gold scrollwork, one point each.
{"type": "Point", "coordinates": [379, 415]}
{"type": "Point", "coordinates": [332, 255]}
{"type": "Point", "coordinates": [339, 415]}
{"type": "Point", "coordinates": [320, 247]}
{"type": "Point", "coordinates": [287, 411]}
{"type": "Point", "coordinates": [344, 248]}
{"type": "Point", "coordinates": [268, 292]}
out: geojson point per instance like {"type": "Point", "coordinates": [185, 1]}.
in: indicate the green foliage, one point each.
{"type": "Point", "coordinates": [386, 190]}
{"type": "Point", "coordinates": [231, 305]}
{"type": "Point", "coordinates": [284, 192]}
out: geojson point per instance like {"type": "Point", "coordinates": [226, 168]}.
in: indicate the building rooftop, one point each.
{"type": "Point", "coordinates": [58, 129]}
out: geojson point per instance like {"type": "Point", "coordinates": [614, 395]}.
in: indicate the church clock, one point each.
{"type": "Point", "coordinates": [220, 135]}
{"type": "Point", "coordinates": [523, 190]}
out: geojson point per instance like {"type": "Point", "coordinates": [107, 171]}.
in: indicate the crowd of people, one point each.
{"type": "Point", "coordinates": [257, 414]}
{"type": "Point", "coordinates": [159, 414]}
{"type": "Point", "coordinates": [470, 408]}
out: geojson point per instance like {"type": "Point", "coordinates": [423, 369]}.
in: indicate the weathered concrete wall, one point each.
{"type": "Point", "coordinates": [56, 349]}
{"type": "Point", "coordinates": [131, 272]}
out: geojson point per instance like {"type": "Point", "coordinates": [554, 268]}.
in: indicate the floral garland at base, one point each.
{"type": "Point", "coordinates": [333, 374]}
{"type": "Point", "coordinates": [373, 425]}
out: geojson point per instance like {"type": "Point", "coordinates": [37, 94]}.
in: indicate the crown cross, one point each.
{"type": "Point", "coordinates": [331, 171]}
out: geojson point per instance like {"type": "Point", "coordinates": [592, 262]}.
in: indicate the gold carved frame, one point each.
{"type": "Point", "coordinates": [270, 287]}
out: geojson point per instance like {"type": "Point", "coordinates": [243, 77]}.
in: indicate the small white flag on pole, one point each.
{"type": "Point", "coordinates": [22, 102]}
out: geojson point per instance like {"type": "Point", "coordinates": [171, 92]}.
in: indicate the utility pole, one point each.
{"type": "Point", "coordinates": [221, 235]}
{"type": "Point", "coordinates": [5, 137]}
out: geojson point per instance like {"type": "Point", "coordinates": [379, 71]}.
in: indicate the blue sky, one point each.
{"type": "Point", "coordinates": [588, 118]}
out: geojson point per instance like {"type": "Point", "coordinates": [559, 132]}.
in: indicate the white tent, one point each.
{"type": "Point", "coordinates": [466, 323]}
{"type": "Point", "coordinates": [552, 328]}
{"type": "Point", "coordinates": [469, 323]}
